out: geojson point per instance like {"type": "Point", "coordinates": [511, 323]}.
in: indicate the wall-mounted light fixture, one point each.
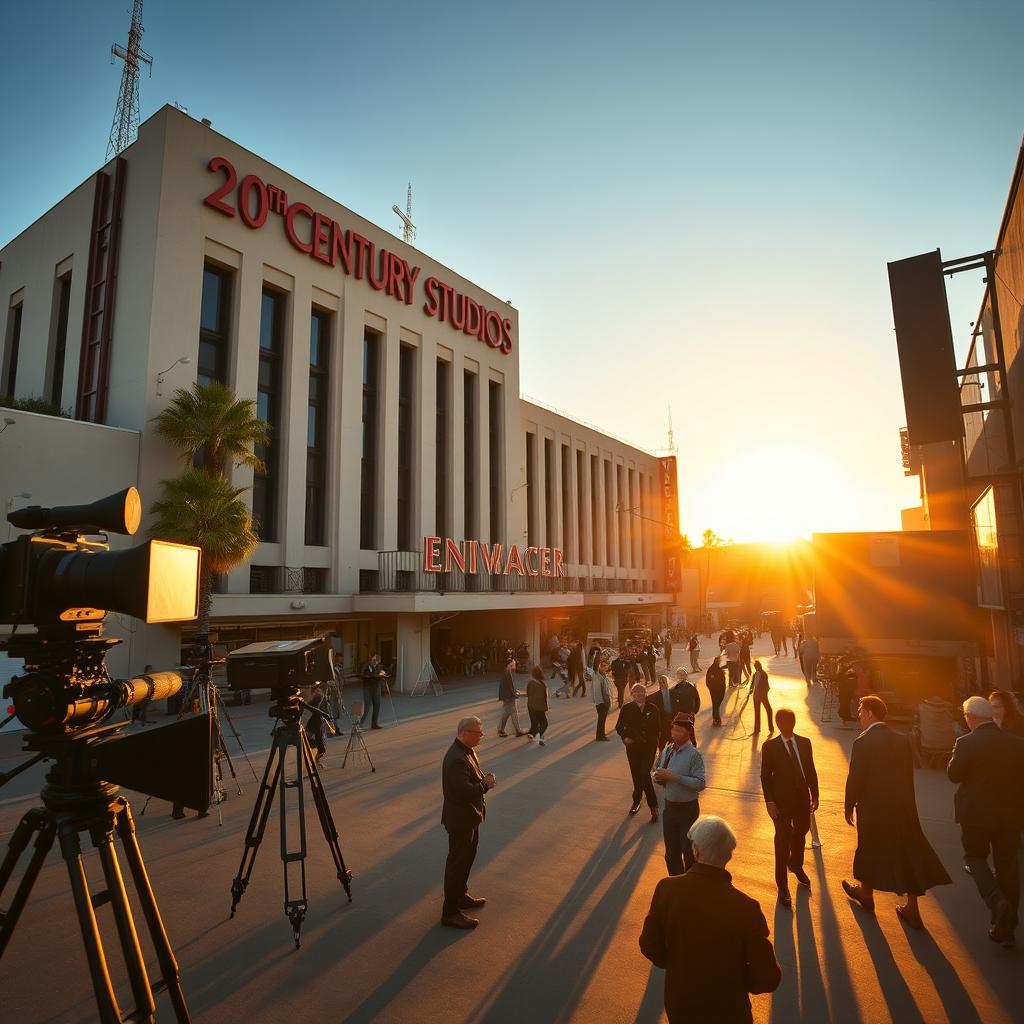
{"type": "Point", "coordinates": [184, 360]}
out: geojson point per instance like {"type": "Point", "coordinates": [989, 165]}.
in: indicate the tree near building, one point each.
{"type": "Point", "coordinates": [210, 426]}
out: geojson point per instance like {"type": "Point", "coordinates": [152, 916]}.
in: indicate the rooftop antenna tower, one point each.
{"type": "Point", "coordinates": [671, 438]}
{"type": "Point", "coordinates": [408, 228]}
{"type": "Point", "coordinates": [126, 116]}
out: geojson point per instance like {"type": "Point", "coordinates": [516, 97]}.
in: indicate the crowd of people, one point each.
{"type": "Point", "coordinates": [658, 733]}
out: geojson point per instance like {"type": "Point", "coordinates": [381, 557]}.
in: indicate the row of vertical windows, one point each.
{"type": "Point", "coordinates": [495, 466]}
{"type": "Point", "coordinates": [368, 463]}
{"type": "Point", "coordinates": [406, 389]}
{"type": "Point", "coordinates": [268, 407]}
{"type": "Point", "coordinates": [442, 454]}
{"type": "Point", "coordinates": [316, 426]}
{"type": "Point", "coordinates": [549, 489]}
{"type": "Point", "coordinates": [469, 449]}
{"type": "Point", "coordinates": [13, 344]}
{"type": "Point", "coordinates": [214, 326]}
{"type": "Point", "coordinates": [570, 556]}
{"type": "Point", "coordinates": [60, 340]}
{"type": "Point", "coordinates": [531, 489]}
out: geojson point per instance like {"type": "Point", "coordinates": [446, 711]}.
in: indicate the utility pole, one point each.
{"type": "Point", "coordinates": [126, 115]}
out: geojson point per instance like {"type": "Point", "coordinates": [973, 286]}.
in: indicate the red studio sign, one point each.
{"type": "Point", "coordinates": [442, 554]}
{"type": "Point", "coordinates": [324, 239]}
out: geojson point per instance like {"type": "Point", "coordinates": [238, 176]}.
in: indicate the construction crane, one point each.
{"type": "Point", "coordinates": [126, 115]}
{"type": "Point", "coordinates": [408, 228]}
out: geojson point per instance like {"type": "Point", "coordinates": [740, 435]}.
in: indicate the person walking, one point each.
{"type": "Point", "coordinates": [710, 938]}
{"type": "Point", "coordinates": [893, 854]}
{"type": "Point", "coordinates": [744, 641]}
{"type": "Point", "coordinates": [577, 679]}
{"type": "Point", "coordinates": [1005, 713]}
{"type": "Point", "coordinates": [759, 689]}
{"type": "Point", "coordinates": [988, 764]}
{"type": "Point", "coordinates": [715, 681]}
{"type": "Point", "coordinates": [463, 784]}
{"type": "Point", "coordinates": [668, 650]}
{"type": "Point", "coordinates": [601, 692]}
{"type": "Point", "coordinates": [620, 674]}
{"type": "Point", "coordinates": [638, 726]}
{"type": "Point", "coordinates": [789, 783]}
{"type": "Point", "coordinates": [693, 646]}
{"type": "Point", "coordinates": [680, 769]}
{"type": "Point", "coordinates": [809, 659]}
{"type": "Point", "coordinates": [685, 697]}
{"type": "Point", "coordinates": [537, 704]}
{"type": "Point", "coordinates": [507, 694]}
{"type": "Point", "coordinates": [731, 650]}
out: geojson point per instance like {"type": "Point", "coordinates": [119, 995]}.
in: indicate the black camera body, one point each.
{"type": "Point", "coordinates": [280, 666]}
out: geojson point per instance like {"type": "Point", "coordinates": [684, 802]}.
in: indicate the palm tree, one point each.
{"type": "Point", "coordinates": [211, 422]}
{"type": "Point", "coordinates": [204, 509]}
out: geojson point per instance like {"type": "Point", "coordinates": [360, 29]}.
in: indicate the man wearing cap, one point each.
{"type": "Point", "coordinates": [988, 764]}
{"type": "Point", "coordinates": [680, 770]}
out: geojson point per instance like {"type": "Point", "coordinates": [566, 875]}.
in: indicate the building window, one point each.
{"type": "Point", "coordinates": [314, 581]}
{"type": "Point", "coordinates": [406, 421]}
{"type": "Point", "coordinates": [316, 425]}
{"type": "Point", "coordinates": [531, 489]}
{"type": "Point", "coordinates": [566, 504]}
{"type": "Point", "coordinates": [623, 514]}
{"type": "Point", "coordinates": [595, 510]}
{"type": "Point", "coordinates": [268, 402]}
{"type": "Point", "coordinates": [214, 322]}
{"type": "Point", "coordinates": [608, 515]}
{"type": "Point", "coordinates": [13, 344]}
{"type": "Point", "coordinates": [264, 579]}
{"type": "Point", "coordinates": [369, 581]}
{"type": "Point", "coordinates": [368, 464]}
{"type": "Point", "coordinates": [549, 492]}
{"type": "Point", "coordinates": [469, 453]}
{"type": "Point", "coordinates": [60, 340]}
{"type": "Point", "coordinates": [495, 462]}
{"type": "Point", "coordinates": [581, 508]}
{"type": "Point", "coordinates": [441, 445]}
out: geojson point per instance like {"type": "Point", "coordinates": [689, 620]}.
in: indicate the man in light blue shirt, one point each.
{"type": "Point", "coordinates": [680, 769]}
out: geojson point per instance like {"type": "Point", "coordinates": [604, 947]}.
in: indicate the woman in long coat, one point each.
{"type": "Point", "coordinates": [893, 854]}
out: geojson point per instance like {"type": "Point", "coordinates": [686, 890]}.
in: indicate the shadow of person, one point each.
{"type": "Point", "coordinates": [786, 996]}
{"type": "Point", "coordinates": [652, 1004]}
{"type": "Point", "coordinates": [840, 986]}
{"type": "Point", "coordinates": [956, 1000]}
{"type": "Point", "coordinates": [898, 998]}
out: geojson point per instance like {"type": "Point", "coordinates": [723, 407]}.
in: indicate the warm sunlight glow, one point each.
{"type": "Point", "coordinates": [772, 494]}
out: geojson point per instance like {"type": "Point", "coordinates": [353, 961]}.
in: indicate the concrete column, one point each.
{"type": "Point", "coordinates": [387, 445]}
{"type": "Point", "coordinates": [572, 538]}
{"type": "Point", "coordinates": [600, 544]}
{"type": "Point", "coordinates": [412, 642]}
{"type": "Point", "coordinates": [584, 485]}
{"type": "Point", "coordinates": [245, 358]}
{"type": "Point", "coordinates": [558, 540]}
{"type": "Point", "coordinates": [348, 374]}
{"type": "Point", "coordinates": [483, 453]}
{"type": "Point", "coordinates": [638, 524]}
{"type": "Point", "coordinates": [616, 517]}
{"type": "Point", "coordinates": [294, 411]}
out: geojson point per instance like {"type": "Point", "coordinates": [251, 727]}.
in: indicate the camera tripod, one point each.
{"type": "Point", "coordinates": [290, 737]}
{"type": "Point", "coordinates": [76, 802]}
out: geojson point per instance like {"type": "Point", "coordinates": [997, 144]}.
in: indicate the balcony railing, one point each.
{"type": "Point", "coordinates": [401, 572]}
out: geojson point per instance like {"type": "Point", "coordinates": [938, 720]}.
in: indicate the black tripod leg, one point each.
{"type": "Point", "coordinates": [35, 821]}
{"type": "Point", "coordinates": [138, 979]}
{"type": "Point", "coordinates": [106, 1000]}
{"type": "Point", "coordinates": [222, 709]}
{"type": "Point", "coordinates": [125, 825]}
{"type": "Point", "coordinates": [258, 821]}
{"type": "Point", "coordinates": [295, 909]}
{"type": "Point", "coordinates": [323, 810]}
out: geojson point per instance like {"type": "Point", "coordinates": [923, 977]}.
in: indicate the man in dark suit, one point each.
{"type": "Point", "coordinates": [639, 726]}
{"type": "Point", "coordinates": [988, 763]}
{"type": "Point", "coordinates": [711, 939]}
{"type": "Point", "coordinates": [464, 784]}
{"type": "Point", "coordinates": [893, 854]}
{"type": "Point", "coordinates": [790, 786]}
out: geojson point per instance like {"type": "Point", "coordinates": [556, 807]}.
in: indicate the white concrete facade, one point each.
{"type": "Point", "coordinates": [168, 235]}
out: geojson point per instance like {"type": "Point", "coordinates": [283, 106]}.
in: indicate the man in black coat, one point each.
{"type": "Point", "coordinates": [988, 763]}
{"type": "Point", "coordinates": [577, 679]}
{"type": "Point", "coordinates": [715, 679]}
{"type": "Point", "coordinates": [639, 725]}
{"type": "Point", "coordinates": [464, 784]}
{"type": "Point", "coordinates": [789, 783]}
{"type": "Point", "coordinates": [893, 854]}
{"type": "Point", "coordinates": [621, 668]}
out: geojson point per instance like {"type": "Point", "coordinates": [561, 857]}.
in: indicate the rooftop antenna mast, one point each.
{"type": "Point", "coordinates": [126, 116]}
{"type": "Point", "coordinates": [671, 438]}
{"type": "Point", "coordinates": [408, 228]}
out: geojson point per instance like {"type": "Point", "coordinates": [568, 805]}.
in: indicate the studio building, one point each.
{"type": "Point", "coordinates": [411, 497]}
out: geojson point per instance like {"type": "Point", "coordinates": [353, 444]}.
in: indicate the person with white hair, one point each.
{"type": "Point", "coordinates": [988, 764]}
{"type": "Point", "coordinates": [639, 727]}
{"type": "Point", "coordinates": [710, 973]}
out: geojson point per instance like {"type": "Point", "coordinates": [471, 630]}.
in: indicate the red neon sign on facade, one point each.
{"type": "Point", "coordinates": [324, 239]}
{"type": "Point", "coordinates": [442, 554]}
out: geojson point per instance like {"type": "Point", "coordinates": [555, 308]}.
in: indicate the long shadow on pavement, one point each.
{"type": "Point", "coordinates": [895, 990]}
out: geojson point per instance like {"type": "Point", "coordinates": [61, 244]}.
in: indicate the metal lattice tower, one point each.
{"type": "Point", "coordinates": [408, 228]}
{"type": "Point", "coordinates": [126, 116]}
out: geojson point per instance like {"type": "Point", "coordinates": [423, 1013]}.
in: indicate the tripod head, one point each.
{"type": "Point", "coordinates": [289, 705]}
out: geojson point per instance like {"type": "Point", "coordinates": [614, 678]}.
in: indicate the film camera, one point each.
{"type": "Point", "coordinates": [62, 579]}
{"type": "Point", "coordinates": [280, 666]}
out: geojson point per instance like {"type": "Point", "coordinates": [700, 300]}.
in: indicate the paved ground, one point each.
{"type": "Point", "coordinates": [568, 876]}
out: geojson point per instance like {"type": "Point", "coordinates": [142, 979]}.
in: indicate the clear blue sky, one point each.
{"type": "Point", "coordinates": [689, 204]}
